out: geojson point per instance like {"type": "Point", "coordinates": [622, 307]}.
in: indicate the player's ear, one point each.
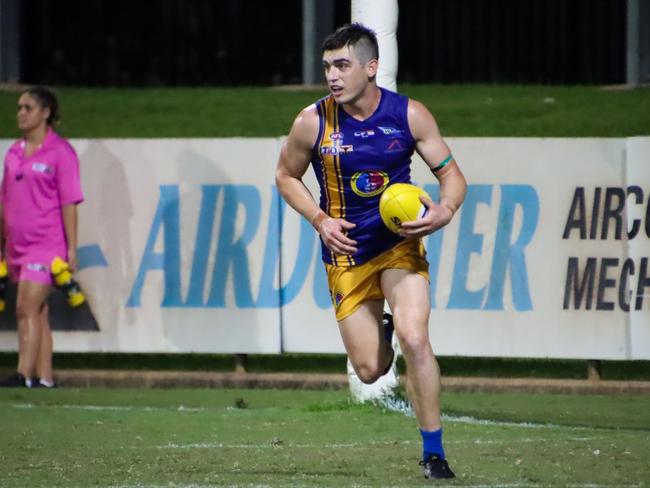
{"type": "Point", "coordinates": [371, 68]}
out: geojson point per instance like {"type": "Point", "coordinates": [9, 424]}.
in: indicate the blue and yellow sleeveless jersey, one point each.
{"type": "Point", "coordinates": [354, 162]}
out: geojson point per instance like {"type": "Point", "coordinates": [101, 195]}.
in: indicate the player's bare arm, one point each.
{"type": "Point", "coordinates": [2, 233]}
{"type": "Point", "coordinates": [437, 155]}
{"type": "Point", "coordinates": [70, 219]}
{"type": "Point", "coordinates": [295, 156]}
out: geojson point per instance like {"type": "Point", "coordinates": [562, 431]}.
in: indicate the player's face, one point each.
{"type": "Point", "coordinates": [31, 114]}
{"type": "Point", "coordinates": [346, 76]}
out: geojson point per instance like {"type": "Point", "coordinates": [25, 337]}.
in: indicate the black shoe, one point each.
{"type": "Point", "coordinates": [436, 468]}
{"type": "Point", "coordinates": [14, 380]}
{"type": "Point", "coordinates": [387, 325]}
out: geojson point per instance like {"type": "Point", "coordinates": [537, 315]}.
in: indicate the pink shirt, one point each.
{"type": "Point", "coordinates": [33, 191]}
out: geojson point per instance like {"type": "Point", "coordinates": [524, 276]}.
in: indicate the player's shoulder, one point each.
{"type": "Point", "coordinates": [62, 147]}
{"type": "Point", "coordinates": [419, 115]}
{"type": "Point", "coordinates": [417, 108]}
{"type": "Point", "coordinates": [13, 152]}
{"type": "Point", "coordinates": [306, 125]}
{"type": "Point", "coordinates": [67, 148]}
{"type": "Point", "coordinates": [16, 147]}
{"type": "Point", "coordinates": [308, 115]}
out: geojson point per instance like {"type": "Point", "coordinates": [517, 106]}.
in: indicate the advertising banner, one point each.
{"type": "Point", "coordinates": [185, 245]}
{"type": "Point", "coordinates": [173, 235]}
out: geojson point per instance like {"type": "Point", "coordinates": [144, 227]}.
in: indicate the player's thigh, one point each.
{"type": "Point", "coordinates": [407, 293]}
{"type": "Point", "coordinates": [31, 296]}
{"type": "Point", "coordinates": [361, 331]}
{"type": "Point", "coordinates": [45, 315]}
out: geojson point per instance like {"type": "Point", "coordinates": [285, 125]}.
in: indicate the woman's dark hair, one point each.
{"type": "Point", "coordinates": [45, 99]}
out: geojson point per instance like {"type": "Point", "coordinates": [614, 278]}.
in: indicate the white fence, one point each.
{"type": "Point", "coordinates": [186, 246]}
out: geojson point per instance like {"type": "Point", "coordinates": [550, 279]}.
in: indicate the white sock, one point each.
{"type": "Point", "coordinates": [46, 383]}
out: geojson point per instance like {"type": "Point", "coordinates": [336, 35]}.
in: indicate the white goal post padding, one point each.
{"type": "Point", "coordinates": [381, 16]}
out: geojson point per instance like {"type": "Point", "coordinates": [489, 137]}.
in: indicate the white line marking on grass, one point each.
{"type": "Point", "coordinates": [496, 485]}
{"type": "Point", "coordinates": [100, 408]}
{"type": "Point", "coordinates": [466, 419]}
{"type": "Point", "coordinates": [270, 445]}
{"type": "Point", "coordinates": [193, 485]}
{"type": "Point", "coordinates": [76, 407]}
{"type": "Point", "coordinates": [352, 445]}
{"type": "Point", "coordinates": [597, 485]}
{"type": "Point", "coordinates": [524, 441]}
{"type": "Point", "coordinates": [532, 425]}
{"type": "Point", "coordinates": [543, 485]}
{"type": "Point", "coordinates": [402, 406]}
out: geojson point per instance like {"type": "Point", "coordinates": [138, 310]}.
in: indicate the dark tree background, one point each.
{"type": "Point", "coordinates": [256, 42]}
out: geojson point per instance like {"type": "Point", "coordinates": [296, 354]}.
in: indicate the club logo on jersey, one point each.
{"type": "Point", "coordinates": [364, 133]}
{"type": "Point", "coordinates": [335, 150]}
{"type": "Point", "coordinates": [42, 168]}
{"type": "Point", "coordinates": [394, 146]}
{"type": "Point", "coordinates": [390, 131]}
{"type": "Point", "coordinates": [369, 183]}
{"type": "Point", "coordinates": [336, 136]}
{"type": "Point", "coordinates": [338, 298]}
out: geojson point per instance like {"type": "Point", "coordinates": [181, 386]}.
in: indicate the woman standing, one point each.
{"type": "Point", "coordinates": [38, 197]}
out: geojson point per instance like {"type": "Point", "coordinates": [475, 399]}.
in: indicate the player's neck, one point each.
{"type": "Point", "coordinates": [362, 107]}
{"type": "Point", "coordinates": [36, 136]}
{"type": "Point", "coordinates": [34, 139]}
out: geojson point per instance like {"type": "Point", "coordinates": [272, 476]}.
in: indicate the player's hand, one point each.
{"type": "Point", "coordinates": [334, 234]}
{"type": "Point", "coordinates": [435, 217]}
{"type": "Point", "coordinates": [73, 261]}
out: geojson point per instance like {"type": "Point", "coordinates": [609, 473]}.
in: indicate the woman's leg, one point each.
{"type": "Point", "coordinates": [29, 306]}
{"type": "Point", "coordinates": [44, 360]}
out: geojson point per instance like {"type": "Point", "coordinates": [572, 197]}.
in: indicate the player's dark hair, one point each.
{"type": "Point", "coordinates": [359, 37]}
{"type": "Point", "coordinates": [46, 99]}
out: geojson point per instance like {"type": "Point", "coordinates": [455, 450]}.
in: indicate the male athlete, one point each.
{"type": "Point", "coordinates": [360, 139]}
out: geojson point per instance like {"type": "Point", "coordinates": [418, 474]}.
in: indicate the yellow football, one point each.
{"type": "Point", "coordinates": [399, 203]}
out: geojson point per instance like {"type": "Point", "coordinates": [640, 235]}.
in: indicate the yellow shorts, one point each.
{"type": "Point", "coordinates": [350, 286]}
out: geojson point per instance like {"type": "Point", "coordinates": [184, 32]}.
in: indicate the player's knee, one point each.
{"type": "Point", "coordinates": [26, 309]}
{"type": "Point", "coordinates": [413, 342]}
{"type": "Point", "coordinates": [367, 374]}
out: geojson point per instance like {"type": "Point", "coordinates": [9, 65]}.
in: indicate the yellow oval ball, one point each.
{"type": "Point", "coordinates": [399, 203]}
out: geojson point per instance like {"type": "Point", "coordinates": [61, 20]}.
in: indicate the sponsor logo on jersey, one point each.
{"type": "Point", "coordinates": [394, 146]}
{"type": "Point", "coordinates": [364, 133]}
{"type": "Point", "coordinates": [41, 268]}
{"type": "Point", "coordinates": [390, 131]}
{"type": "Point", "coordinates": [369, 183]}
{"type": "Point", "coordinates": [42, 168]}
{"type": "Point", "coordinates": [334, 150]}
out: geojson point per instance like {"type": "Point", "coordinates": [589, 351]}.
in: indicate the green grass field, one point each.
{"type": "Point", "coordinates": [461, 110]}
{"type": "Point", "coordinates": [201, 438]}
